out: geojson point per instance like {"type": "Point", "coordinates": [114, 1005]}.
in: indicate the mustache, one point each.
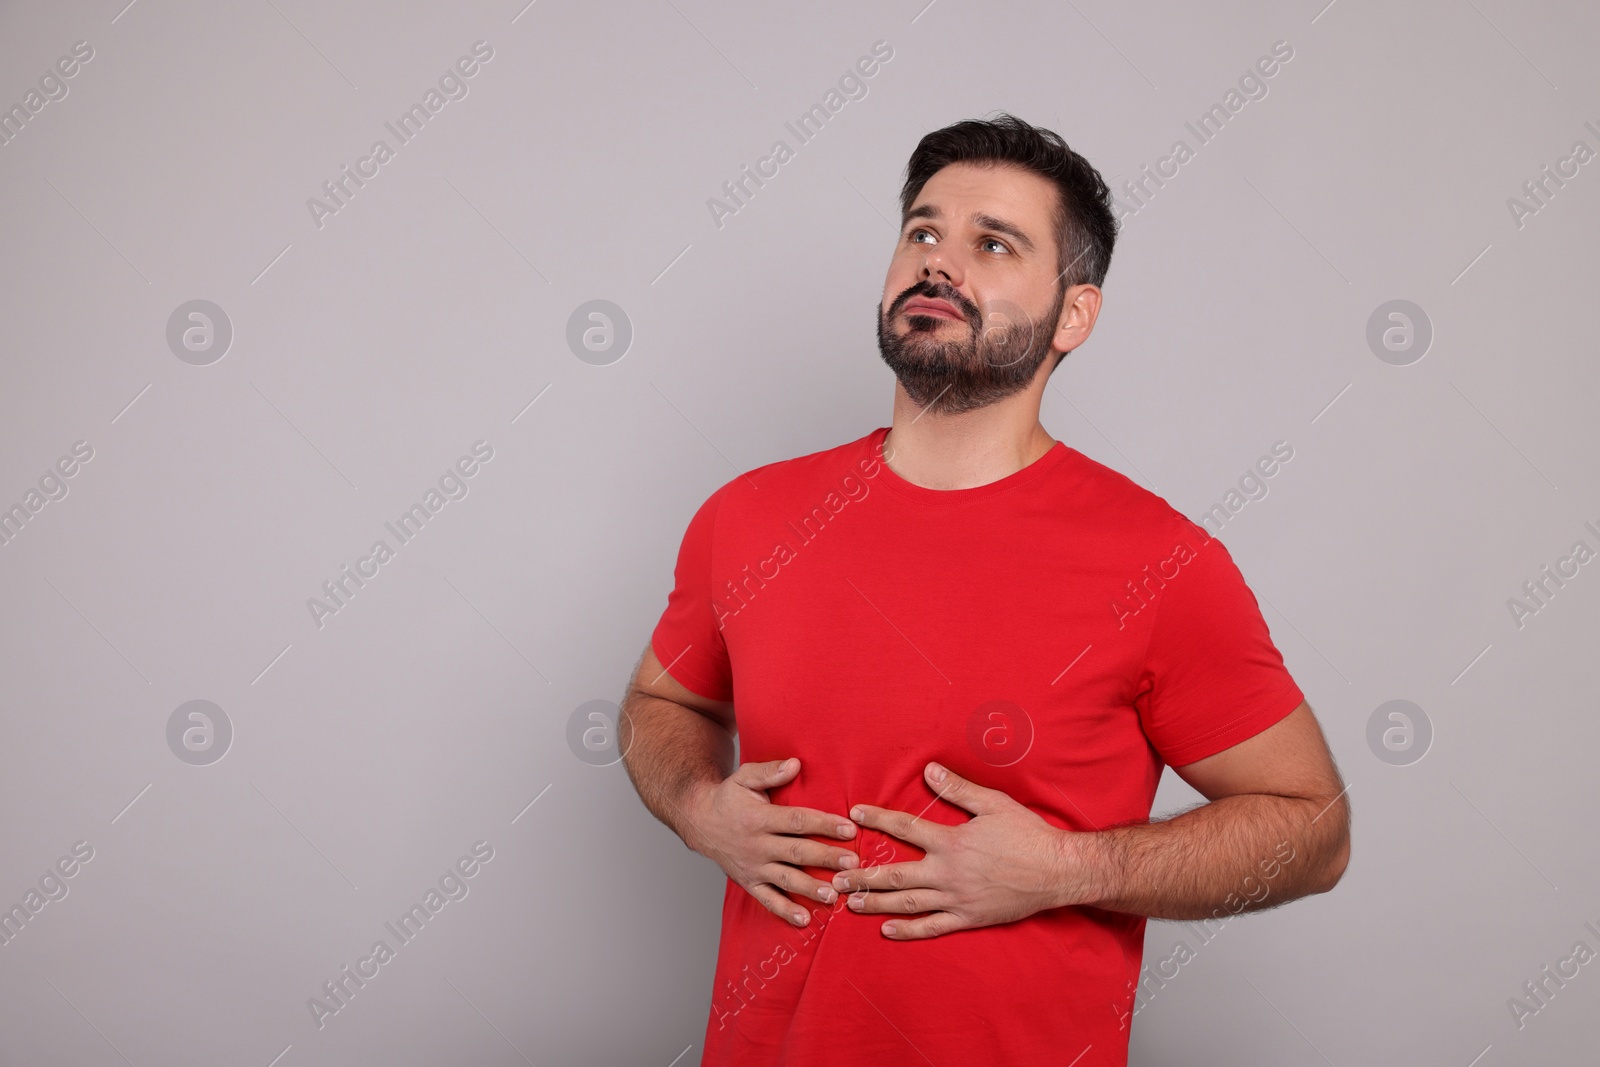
{"type": "Point", "coordinates": [937, 291]}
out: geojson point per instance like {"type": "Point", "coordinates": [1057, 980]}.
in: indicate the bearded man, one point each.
{"type": "Point", "coordinates": [957, 654]}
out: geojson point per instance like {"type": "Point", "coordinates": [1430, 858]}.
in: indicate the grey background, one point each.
{"type": "Point", "coordinates": [432, 711]}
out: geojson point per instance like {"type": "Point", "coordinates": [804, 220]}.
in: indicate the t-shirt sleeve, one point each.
{"type": "Point", "coordinates": [1211, 676]}
{"type": "Point", "coordinates": [687, 639]}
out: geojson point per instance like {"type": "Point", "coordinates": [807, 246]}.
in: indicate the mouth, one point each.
{"type": "Point", "coordinates": [932, 309]}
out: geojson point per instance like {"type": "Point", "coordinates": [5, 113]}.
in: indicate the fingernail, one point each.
{"type": "Point", "coordinates": [799, 918]}
{"type": "Point", "coordinates": [848, 862]}
{"type": "Point", "coordinates": [857, 901]}
{"type": "Point", "coordinates": [888, 929]}
{"type": "Point", "coordinates": [827, 895]}
{"type": "Point", "coordinates": [858, 813]}
{"type": "Point", "coordinates": [936, 772]}
{"type": "Point", "coordinates": [847, 829]}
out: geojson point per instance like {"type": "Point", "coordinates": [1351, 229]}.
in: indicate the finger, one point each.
{"type": "Point", "coordinates": [781, 819]}
{"type": "Point", "coordinates": [905, 902]}
{"type": "Point", "coordinates": [904, 825]}
{"type": "Point", "coordinates": [795, 882]}
{"type": "Point", "coordinates": [936, 925]}
{"type": "Point", "coordinates": [768, 774]}
{"type": "Point", "coordinates": [980, 800]}
{"type": "Point", "coordinates": [779, 904]}
{"type": "Point", "coordinates": [913, 874]}
{"type": "Point", "coordinates": [804, 852]}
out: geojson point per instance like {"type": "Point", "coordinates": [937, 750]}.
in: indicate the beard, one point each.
{"type": "Point", "coordinates": [998, 355]}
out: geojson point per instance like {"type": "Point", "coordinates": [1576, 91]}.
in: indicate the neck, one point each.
{"type": "Point", "coordinates": [967, 450]}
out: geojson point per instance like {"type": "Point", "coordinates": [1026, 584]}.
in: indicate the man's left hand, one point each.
{"type": "Point", "coordinates": [1004, 864]}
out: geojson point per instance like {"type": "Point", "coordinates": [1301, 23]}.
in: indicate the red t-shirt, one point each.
{"type": "Point", "coordinates": [1059, 635]}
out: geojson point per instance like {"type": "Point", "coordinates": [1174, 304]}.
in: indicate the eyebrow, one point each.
{"type": "Point", "coordinates": [986, 222]}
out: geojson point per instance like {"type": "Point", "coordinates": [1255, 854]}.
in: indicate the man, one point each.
{"type": "Point", "coordinates": [958, 654]}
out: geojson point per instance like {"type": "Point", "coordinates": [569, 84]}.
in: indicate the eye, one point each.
{"type": "Point", "coordinates": [995, 241]}
{"type": "Point", "coordinates": [912, 236]}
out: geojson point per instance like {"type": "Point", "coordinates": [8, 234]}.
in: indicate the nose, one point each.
{"type": "Point", "coordinates": [936, 262]}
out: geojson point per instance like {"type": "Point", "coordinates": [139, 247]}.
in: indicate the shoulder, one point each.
{"type": "Point", "coordinates": [1124, 508]}
{"type": "Point", "coordinates": [807, 477]}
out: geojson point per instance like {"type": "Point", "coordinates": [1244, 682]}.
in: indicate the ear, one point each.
{"type": "Point", "coordinates": [1080, 306]}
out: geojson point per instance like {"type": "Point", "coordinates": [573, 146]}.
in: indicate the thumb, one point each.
{"type": "Point", "coordinates": [950, 786]}
{"type": "Point", "coordinates": [768, 774]}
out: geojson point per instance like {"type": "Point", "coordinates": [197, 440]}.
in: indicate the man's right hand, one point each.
{"type": "Point", "coordinates": [761, 845]}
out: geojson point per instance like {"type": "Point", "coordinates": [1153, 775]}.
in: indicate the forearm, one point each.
{"type": "Point", "coordinates": [1239, 853]}
{"type": "Point", "coordinates": [670, 751]}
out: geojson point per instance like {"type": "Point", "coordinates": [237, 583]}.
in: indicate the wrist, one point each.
{"type": "Point", "coordinates": [1081, 869]}
{"type": "Point", "coordinates": [691, 810]}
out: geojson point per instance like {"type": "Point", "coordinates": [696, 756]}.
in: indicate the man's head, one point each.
{"type": "Point", "coordinates": [1013, 232]}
